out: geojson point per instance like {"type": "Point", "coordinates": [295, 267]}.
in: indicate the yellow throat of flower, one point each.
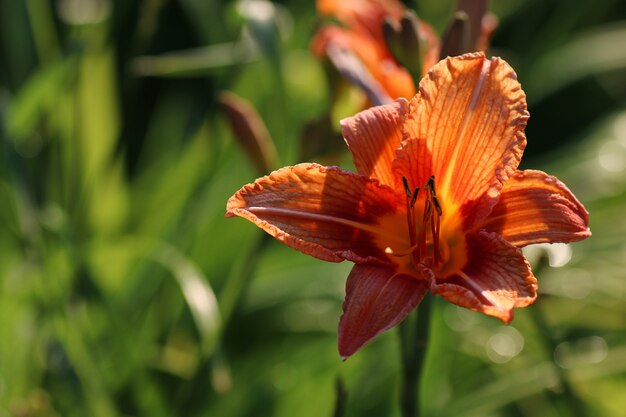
{"type": "Point", "coordinates": [433, 243]}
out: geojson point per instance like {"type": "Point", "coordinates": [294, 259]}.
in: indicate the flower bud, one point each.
{"type": "Point", "coordinates": [456, 38]}
{"type": "Point", "coordinates": [249, 131]}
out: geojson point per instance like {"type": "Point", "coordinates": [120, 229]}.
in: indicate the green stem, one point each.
{"type": "Point", "coordinates": [550, 342]}
{"type": "Point", "coordinates": [413, 344]}
{"type": "Point", "coordinates": [341, 400]}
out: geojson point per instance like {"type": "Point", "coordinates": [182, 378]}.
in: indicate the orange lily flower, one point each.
{"type": "Point", "coordinates": [363, 36]}
{"type": "Point", "coordinates": [437, 203]}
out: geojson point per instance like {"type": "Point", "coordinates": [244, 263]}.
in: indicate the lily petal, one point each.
{"type": "Point", "coordinates": [465, 127]}
{"type": "Point", "coordinates": [496, 279]}
{"type": "Point", "coordinates": [325, 212]}
{"type": "Point", "coordinates": [373, 137]}
{"type": "Point", "coordinates": [535, 207]}
{"type": "Point", "coordinates": [354, 70]}
{"type": "Point", "coordinates": [372, 53]}
{"type": "Point", "coordinates": [376, 300]}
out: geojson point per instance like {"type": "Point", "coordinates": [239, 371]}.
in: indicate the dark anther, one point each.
{"type": "Point", "coordinates": [437, 205]}
{"type": "Point", "coordinates": [406, 187]}
{"type": "Point", "coordinates": [430, 184]}
{"type": "Point", "coordinates": [414, 198]}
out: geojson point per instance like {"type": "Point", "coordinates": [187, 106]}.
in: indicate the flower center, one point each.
{"type": "Point", "coordinates": [423, 217]}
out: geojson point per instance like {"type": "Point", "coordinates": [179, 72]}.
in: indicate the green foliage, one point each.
{"type": "Point", "coordinates": [124, 291]}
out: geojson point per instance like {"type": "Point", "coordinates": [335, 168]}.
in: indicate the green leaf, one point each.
{"type": "Point", "coordinates": [198, 294]}
{"type": "Point", "coordinates": [39, 97]}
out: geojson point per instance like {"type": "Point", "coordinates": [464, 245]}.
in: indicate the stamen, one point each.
{"type": "Point", "coordinates": [431, 213]}
{"type": "Point", "coordinates": [425, 218]}
{"type": "Point", "coordinates": [435, 223]}
{"type": "Point", "coordinates": [434, 227]}
{"type": "Point", "coordinates": [433, 218]}
{"type": "Point", "coordinates": [414, 198]}
{"type": "Point", "coordinates": [410, 198]}
{"type": "Point", "coordinates": [407, 189]}
{"type": "Point", "coordinates": [430, 184]}
{"type": "Point", "coordinates": [437, 205]}
{"type": "Point", "coordinates": [428, 211]}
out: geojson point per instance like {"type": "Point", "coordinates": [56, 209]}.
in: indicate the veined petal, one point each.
{"type": "Point", "coordinates": [465, 127]}
{"type": "Point", "coordinates": [324, 212]}
{"type": "Point", "coordinates": [496, 279]}
{"type": "Point", "coordinates": [376, 300]}
{"type": "Point", "coordinates": [373, 137]}
{"type": "Point", "coordinates": [537, 208]}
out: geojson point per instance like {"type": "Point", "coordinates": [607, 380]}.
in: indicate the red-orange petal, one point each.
{"type": "Point", "coordinates": [325, 212]}
{"type": "Point", "coordinates": [376, 300]}
{"type": "Point", "coordinates": [372, 53]}
{"type": "Point", "coordinates": [362, 16]}
{"type": "Point", "coordinates": [366, 48]}
{"type": "Point", "coordinates": [373, 136]}
{"type": "Point", "coordinates": [496, 279]}
{"type": "Point", "coordinates": [465, 127]}
{"type": "Point", "coordinates": [535, 207]}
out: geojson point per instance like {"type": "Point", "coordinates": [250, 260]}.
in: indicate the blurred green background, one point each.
{"type": "Point", "coordinates": [124, 291]}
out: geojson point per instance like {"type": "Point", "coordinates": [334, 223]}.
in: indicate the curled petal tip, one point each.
{"type": "Point", "coordinates": [535, 207]}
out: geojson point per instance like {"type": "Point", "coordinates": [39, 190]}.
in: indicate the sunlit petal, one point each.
{"type": "Point", "coordinates": [465, 127]}
{"type": "Point", "coordinates": [496, 279]}
{"type": "Point", "coordinates": [376, 300]}
{"type": "Point", "coordinates": [373, 137]}
{"type": "Point", "coordinates": [537, 208]}
{"type": "Point", "coordinates": [322, 211]}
